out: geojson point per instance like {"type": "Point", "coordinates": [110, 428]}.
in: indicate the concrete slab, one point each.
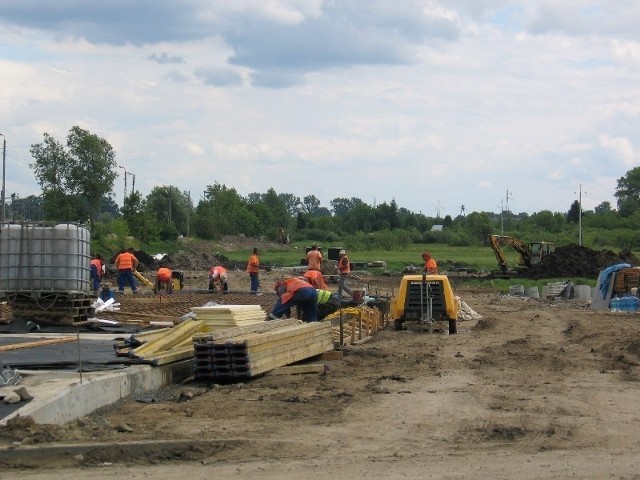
{"type": "Point", "coordinates": [60, 396]}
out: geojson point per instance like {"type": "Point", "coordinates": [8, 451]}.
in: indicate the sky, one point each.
{"type": "Point", "coordinates": [445, 106]}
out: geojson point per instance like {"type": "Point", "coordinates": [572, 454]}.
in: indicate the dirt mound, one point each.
{"type": "Point", "coordinates": [576, 261]}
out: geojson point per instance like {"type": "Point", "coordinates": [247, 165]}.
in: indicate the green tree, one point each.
{"type": "Point", "coordinates": [84, 170]}
{"type": "Point", "coordinates": [628, 192]}
{"type": "Point", "coordinates": [573, 215]}
{"type": "Point", "coordinates": [171, 209]}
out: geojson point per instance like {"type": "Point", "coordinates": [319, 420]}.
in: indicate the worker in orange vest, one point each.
{"type": "Point", "coordinates": [315, 278]}
{"type": "Point", "coordinates": [430, 265]}
{"type": "Point", "coordinates": [96, 265]}
{"type": "Point", "coordinates": [218, 274]}
{"type": "Point", "coordinates": [163, 280]}
{"type": "Point", "coordinates": [344, 267]}
{"type": "Point", "coordinates": [293, 292]}
{"type": "Point", "coordinates": [253, 267]}
{"type": "Point", "coordinates": [126, 263]}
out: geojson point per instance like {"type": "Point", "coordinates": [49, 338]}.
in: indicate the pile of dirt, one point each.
{"type": "Point", "coordinates": [576, 261]}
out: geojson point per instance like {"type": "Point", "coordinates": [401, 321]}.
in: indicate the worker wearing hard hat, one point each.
{"type": "Point", "coordinates": [344, 268]}
{"type": "Point", "coordinates": [430, 265]}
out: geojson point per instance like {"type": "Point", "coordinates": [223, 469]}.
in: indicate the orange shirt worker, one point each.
{"type": "Point", "coordinates": [314, 258]}
{"type": "Point", "coordinates": [253, 267]}
{"type": "Point", "coordinates": [430, 264]}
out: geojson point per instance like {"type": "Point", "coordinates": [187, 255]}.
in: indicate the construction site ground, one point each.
{"type": "Point", "coordinates": [535, 388]}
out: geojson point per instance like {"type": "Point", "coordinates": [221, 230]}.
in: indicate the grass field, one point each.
{"type": "Point", "coordinates": [481, 259]}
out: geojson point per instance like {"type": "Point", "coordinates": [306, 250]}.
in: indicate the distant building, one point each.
{"type": "Point", "coordinates": [437, 228]}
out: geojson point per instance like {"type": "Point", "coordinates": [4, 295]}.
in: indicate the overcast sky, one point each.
{"type": "Point", "coordinates": [437, 104]}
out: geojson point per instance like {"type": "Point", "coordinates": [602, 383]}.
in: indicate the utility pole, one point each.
{"type": "Point", "coordinates": [580, 217]}
{"type": "Point", "coordinates": [4, 163]}
{"type": "Point", "coordinates": [501, 218]}
{"type": "Point", "coordinates": [125, 183]}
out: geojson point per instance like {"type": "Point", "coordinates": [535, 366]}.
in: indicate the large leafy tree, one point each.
{"type": "Point", "coordinates": [628, 192]}
{"type": "Point", "coordinates": [74, 179]}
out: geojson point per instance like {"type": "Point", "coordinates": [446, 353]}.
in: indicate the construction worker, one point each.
{"type": "Point", "coordinates": [314, 258]}
{"type": "Point", "coordinates": [97, 268]}
{"type": "Point", "coordinates": [345, 270]}
{"type": "Point", "coordinates": [315, 278]}
{"type": "Point", "coordinates": [292, 292]}
{"type": "Point", "coordinates": [327, 303]}
{"type": "Point", "coordinates": [430, 265]}
{"type": "Point", "coordinates": [218, 275]}
{"type": "Point", "coordinates": [106, 293]}
{"type": "Point", "coordinates": [253, 267]}
{"type": "Point", "coordinates": [163, 280]}
{"type": "Point", "coordinates": [126, 263]}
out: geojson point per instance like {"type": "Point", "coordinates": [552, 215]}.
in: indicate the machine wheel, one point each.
{"type": "Point", "coordinates": [397, 324]}
{"type": "Point", "coordinates": [453, 326]}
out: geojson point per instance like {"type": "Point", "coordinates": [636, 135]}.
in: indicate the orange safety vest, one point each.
{"type": "Point", "coordinates": [253, 264]}
{"type": "Point", "coordinates": [125, 261]}
{"type": "Point", "coordinates": [163, 274]}
{"type": "Point", "coordinates": [343, 265]}
{"type": "Point", "coordinates": [217, 271]}
{"type": "Point", "coordinates": [316, 279]}
{"type": "Point", "coordinates": [293, 285]}
{"type": "Point", "coordinates": [98, 264]}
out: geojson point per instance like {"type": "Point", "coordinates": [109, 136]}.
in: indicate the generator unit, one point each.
{"type": "Point", "coordinates": [425, 299]}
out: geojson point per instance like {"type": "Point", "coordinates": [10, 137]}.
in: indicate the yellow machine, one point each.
{"type": "Point", "coordinates": [425, 299]}
{"type": "Point", "coordinates": [531, 253]}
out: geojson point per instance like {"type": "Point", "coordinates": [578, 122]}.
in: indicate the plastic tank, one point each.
{"type": "Point", "coordinates": [37, 258]}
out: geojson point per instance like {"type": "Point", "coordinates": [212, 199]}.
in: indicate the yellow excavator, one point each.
{"type": "Point", "coordinates": [531, 254]}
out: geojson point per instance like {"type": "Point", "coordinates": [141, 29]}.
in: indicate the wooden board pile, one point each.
{"type": "Point", "coordinates": [240, 354]}
{"type": "Point", "coordinates": [162, 346]}
{"type": "Point", "coordinates": [218, 317]}
{"type": "Point", "coordinates": [357, 324]}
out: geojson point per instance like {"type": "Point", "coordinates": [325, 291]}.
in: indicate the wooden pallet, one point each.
{"type": "Point", "coordinates": [53, 309]}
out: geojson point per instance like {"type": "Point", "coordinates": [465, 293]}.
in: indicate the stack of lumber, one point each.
{"type": "Point", "coordinates": [238, 355]}
{"type": "Point", "coordinates": [168, 345]}
{"type": "Point", "coordinates": [358, 324]}
{"type": "Point", "coordinates": [218, 317]}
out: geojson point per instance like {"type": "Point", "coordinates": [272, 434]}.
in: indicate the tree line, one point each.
{"type": "Point", "coordinates": [77, 181]}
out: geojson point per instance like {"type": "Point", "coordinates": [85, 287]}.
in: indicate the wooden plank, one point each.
{"type": "Point", "coordinates": [295, 337]}
{"type": "Point", "coordinates": [238, 331]}
{"type": "Point", "coordinates": [297, 369]}
{"type": "Point", "coordinates": [37, 343]}
{"type": "Point", "coordinates": [287, 358]}
{"type": "Point", "coordinates": [333, 355]}
{"type": "Point", "coordinates": [171, 338]}
{"type": "Point", "coordinates": [173, 355]}
{"type": "Point", "coordinates": [266, 337]}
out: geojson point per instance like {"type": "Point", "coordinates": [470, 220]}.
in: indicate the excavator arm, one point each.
{"type": "Point", "coordinates": [496, 242]}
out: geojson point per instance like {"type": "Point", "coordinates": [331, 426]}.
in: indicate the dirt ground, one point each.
{"type": "Point", "coordinates": [535, 388]}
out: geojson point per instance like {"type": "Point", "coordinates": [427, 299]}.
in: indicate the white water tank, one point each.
{"type": "Point", "coordinates": [37, 258]}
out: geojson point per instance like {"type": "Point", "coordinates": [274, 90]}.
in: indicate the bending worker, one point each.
{"type": "Point", "coordinates": [294, 292]}
{"type": "Point", "coordinates": [315, 278]}
{"type": "Point", "coordinates": [218, 275]}
{"type": "Point", "coordinates": [163, 280]}
{"type": "Point", "coordinates": [430, 264]}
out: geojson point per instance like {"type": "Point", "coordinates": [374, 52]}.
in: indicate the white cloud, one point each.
{"type": "Point", "coordinates": [451, 102]}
